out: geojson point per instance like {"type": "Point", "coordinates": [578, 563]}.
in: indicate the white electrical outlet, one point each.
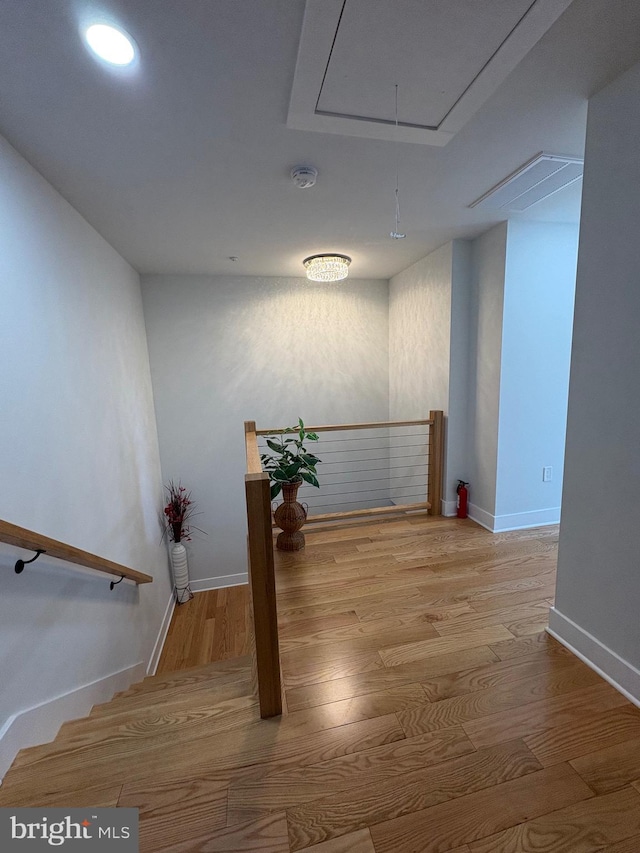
{"type": "Point", "coordinates": [547, 474]}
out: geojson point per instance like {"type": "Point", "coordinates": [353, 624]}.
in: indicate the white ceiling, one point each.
{"type": "Point", "coordinates": [185, 161]}
{"type": "Point", "coordinates": [443, 48]}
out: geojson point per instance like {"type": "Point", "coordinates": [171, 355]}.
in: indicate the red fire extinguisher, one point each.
{"type": "Point", "coordinates": [463, 498]}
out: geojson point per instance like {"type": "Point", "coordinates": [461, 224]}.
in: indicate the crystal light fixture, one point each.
{"type": "Point", "coordinates": [327, 267]}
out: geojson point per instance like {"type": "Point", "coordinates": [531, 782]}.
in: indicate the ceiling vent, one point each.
{"type": "Point", "coordinates": [541, 177]}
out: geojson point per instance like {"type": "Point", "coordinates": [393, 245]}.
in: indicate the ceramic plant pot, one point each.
{"type": "Point", "coordinates": [180, 569]}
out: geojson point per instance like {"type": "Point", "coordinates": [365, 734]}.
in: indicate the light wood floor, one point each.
{"type": "Point", "coordinates": [210, 627]}
{"type": "Point", "coordinates": [427, 711]}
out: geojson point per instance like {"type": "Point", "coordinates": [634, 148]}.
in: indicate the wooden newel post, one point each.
{"type": "Point", "coordinates": [262, 583]}
{"type": "Point", "coordinates": [436, 462]}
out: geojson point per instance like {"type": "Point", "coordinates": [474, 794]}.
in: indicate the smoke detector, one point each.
{"type": "Point", "coordinates": [304, 176]}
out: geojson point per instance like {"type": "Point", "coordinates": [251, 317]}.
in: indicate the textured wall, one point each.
{"type": "Point", "coordinates": [419, 336]}
{"type": "Point", "coordinates": [79, 458]}
{"type": "Point", "coordinates": [428, 315]}
{"type": "Point", "coordinates": [228, 349]}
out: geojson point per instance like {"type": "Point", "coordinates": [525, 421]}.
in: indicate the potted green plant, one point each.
{"type": "Point", "coordinates": [289, 465]}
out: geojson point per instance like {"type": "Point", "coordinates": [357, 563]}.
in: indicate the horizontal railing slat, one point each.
{"type": "Point", "coordinates": [379, 510]}
{"type": "Point", "coordinates": [23, 538]}
{"type": "Point", "coordinates": [338, 427]}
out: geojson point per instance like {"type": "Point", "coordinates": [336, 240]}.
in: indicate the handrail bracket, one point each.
{"type": "Point", "coordinates": [20, 564]}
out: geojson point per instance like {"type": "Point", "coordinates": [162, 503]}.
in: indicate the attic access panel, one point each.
{"type": "Point", "coordinates": [447, 57]}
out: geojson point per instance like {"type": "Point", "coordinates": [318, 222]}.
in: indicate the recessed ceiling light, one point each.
{"type": "Point", "coordinates": [111, 44]}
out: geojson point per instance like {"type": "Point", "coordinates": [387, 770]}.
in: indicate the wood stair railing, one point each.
{"type": "Point", "coordinates": [262, 585]}
{"type": "Point", "coordinates": [23, 538]}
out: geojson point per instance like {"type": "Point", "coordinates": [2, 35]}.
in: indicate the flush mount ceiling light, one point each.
{"type": "Point", "coordinates": [327, 267]}
{"type": "Point", "coordinates": [111, 44]}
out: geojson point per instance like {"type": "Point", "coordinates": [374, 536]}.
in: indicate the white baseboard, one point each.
{"type": "Point", "coordinates": [40, 723]}
{"type": "Point", "coordinates": [162, 635]}
{"type": "Point", "coordinates": [616, 670]}
{"type": "Point", "coordinates": [483, 518]}
{"type": "Point", "coordinates": [449, 508]}
{"type": "Point", "coordinates": [204, 584]}
{"type": "Point", "coordinates": [515, 520]}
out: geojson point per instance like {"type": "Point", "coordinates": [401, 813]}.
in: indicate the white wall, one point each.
{"type": "Point", "coordinates": [534, 385]}
{"type": "Point", "coordinates": [428, 340]}
{"type": "Point", "coordinates": [489, 254]}
{"type": "Point", "coordinates": [598, 593]}
{"type": "Point", "coordinates": [79, 459]}
{"type": "Point", "coordinates": [520, 340]}
{"type": "Point", "coordinates": [228, 349]}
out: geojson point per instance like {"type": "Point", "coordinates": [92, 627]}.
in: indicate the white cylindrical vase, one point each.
{"type": "Point", "coordinates": [180, 568]}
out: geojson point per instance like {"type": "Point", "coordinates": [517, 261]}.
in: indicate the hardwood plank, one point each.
{"type": "Point", "coordinates": [530, 625]}
{"type": "Point", "coordinates": [218, 756]}
{"type": "Point", "coordinates": [347, 591]}
{"type": "Point", "coordinates": [86, 797]}
{"type": "Point", "coordinates": [394, 629]}
{"type": "Point", "coordinates": [227, 701]}
{"type": "Point", "coordinates": [206, 649]}
{"type": "Point", "coordinates": [355, 842]}
{"type": "Point", "coordinates": [291, 579]}
{"type": "Point", "coordinates": [513, 599]}
{"type": "Point", "coordinates": [581, 828]}
{"type": "Point", "coordinates": [472, 817]}
{"type": "Point", "coordinates": [406, 608]}
{"type": "Point", "coordinates": [494, 674]}
{"type": "Point", "coordinates": [629, 845]}
{"type": "Point", "coordinates": [504, 616]}
{"type": "Point", "coordinates": [524, 646]}
{"type": "Point", "coordinates": [283, 789]}
{"type": "Point", "coordinates": [325, 533]}
{"type": "Point", "coordinates": [310, 606]}
{"type": "Point", "coordinates": [432, 543]}
{"type": "Point", "coordinates": [364, 707]}
{"type": "Point", "coordinates": [343, 688]}
{"type": "Point", "coordinates": [327, 667]}
{"type": "Point", "coordinates": [417, 790]}
{"type": "Point", "coordinates": [565, 710]}
{"type": "Point", "coordinates": [210, 627]}
{"type": "Point", "coordinates": [266, 835]}
{"type": "Point", "coordinates": [422, 649]}
{"type": "Point", "coordinates": [612, 768]}
{"type": "Point", "coordinates": [360, 638]}
{"type": "Point", "coordinates": [166, 808]}
{"type": "Point", "coordinates": [289, 630]}
{"type": "Point", "coordinates": [491, 700]}
{"type": "Point", "coordinates": [592, 733]}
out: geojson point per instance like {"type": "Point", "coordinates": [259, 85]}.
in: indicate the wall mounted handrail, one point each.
{"type": "Point", "coordinates": [262, 585]}
{"type": "Point", "coordinates": [11, 534]}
